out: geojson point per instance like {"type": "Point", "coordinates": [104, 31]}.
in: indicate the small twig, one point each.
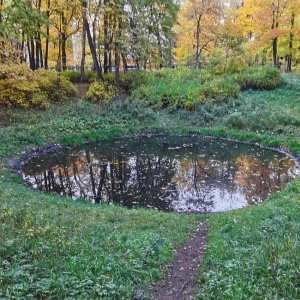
{"type": "Point", "coordinates": [181, 289]}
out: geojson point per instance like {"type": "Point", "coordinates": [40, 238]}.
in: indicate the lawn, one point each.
{"type": "Point", "coordinates": [51, 247]}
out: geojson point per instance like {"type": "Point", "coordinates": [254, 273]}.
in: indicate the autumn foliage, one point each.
{"type": "Point", "coordinates": [21, 87]}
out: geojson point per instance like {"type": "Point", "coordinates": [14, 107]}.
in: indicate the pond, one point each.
{"type": "Point", "coordinates": [168, 173]}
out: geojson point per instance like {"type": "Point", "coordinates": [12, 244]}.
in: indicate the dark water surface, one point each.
{"type": "Point", "coordinates": [169, 173]}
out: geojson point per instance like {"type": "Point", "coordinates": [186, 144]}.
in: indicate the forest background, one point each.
{"type": "Point", "coordinates": [117, 35]}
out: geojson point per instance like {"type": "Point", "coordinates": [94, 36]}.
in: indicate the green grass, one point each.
{"type": "Point", "coordinates": [254, 253]}
{"type": "Point", "coordinates": [53, 248]}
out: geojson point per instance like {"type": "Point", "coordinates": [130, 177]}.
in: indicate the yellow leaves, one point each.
{"type": "Point", "coordinates": [264, 20]}
{"type": "Point", "coordinates": [8, 54]}
{"type": "Point", "coordinates": [99, 91]}
{"type": "Point", "coordinates": [197, 27]}
{"type": "Point", "coordinates": [22, 87]}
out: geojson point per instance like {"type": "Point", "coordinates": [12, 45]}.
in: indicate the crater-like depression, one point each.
{"type": "Point", "coordinates": [169, 173]}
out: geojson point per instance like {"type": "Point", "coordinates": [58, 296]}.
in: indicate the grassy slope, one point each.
{"type": "Point", "coordinates": [50, 247]}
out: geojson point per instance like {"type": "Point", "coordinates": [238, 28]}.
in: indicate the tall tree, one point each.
{"type": "Point", "coordinates": [264, 23]}
{"type": "Point", "coordinates": [90, 41]}
{"type": "Point", "coordinates": [202, 17]}
{"type": "Point", "coordinates": [65, 20]}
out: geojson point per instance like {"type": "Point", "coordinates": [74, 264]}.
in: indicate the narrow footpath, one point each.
{"type": "Point", "coordinates": [179, 283]}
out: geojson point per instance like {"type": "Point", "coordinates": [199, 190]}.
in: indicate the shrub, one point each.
{"type": "Point", "coordinates": [219, 89]}
{"type": "Point", "coordinates": [133, 79]}
{"type": "Point", "coordinates": [100, 91]}
{"type": "Point", "coordinates": [55, 85]}
{"type": "Point", "coordinates": [185, 89]}
{"type": "Point", "coordinates": [110, 78]}
{"type": "Point", "coordinates": [164, 91]}
{"type": "Point", "coordinates": [22, 93]}
{"type": "Point", "coordinates": [73, 76]}
{"type": "Point", "coordinates": [90, 76]}
{"type": "Point", "coordinates": [219, 62]}
{"type": "Point", "coordinates": [205, 76]}
{"type": "Point", "coordinates": [259, 78]}
{"type": "Point", "coordinates": [19, 88]}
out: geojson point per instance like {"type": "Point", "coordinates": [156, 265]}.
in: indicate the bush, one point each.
{"type": "Point", "coordinates": [133, 79]}
{"type": "Point", "coordinates": [110, 78]}
{"type": "Point", "coordinates": [163, 92]}
{"type": "Point", "coordinates": [219, 62]}
{"type": "Point", "coordinates": [21, 87]}
{"type": "Point", "coordinates": [55, 85]}
{"type": "Point", "coordinates": [184, 92]}
{"type": "Point", "coordinates": [259, 78]}
{"type": "Point", "coordinates": [219, 89]}
{"type": "Point", "coordinates": [90, 76]}
{"type": "Point", "coordinates": [73, 76]}
{"type": "Point", "coordinates": [22, 93]}
{"type": "Point", "coordinates": [100, 91]}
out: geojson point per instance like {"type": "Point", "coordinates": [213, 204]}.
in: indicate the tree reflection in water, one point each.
{"type": "Point", "coordinates": [166, 173]}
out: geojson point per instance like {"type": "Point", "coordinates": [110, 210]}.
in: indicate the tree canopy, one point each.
{"type": "Point", "coordinates": [150, 33]}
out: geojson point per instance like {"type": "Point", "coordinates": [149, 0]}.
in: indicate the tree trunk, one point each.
{"type": "Point", "coordinates": [117, 67]}
{"type": "Point", "coordinates": [275, 24]}
{"type": "Point", "coordinates": [124, 60]}
{"type": "Point", "coordinates": [47, 37]}
{"type": "Point", "coordinates": [59, 55]}
{"type": "Point", "coordinates": [82, 55]}
{"type": "Point", "coordinates": [198, 32]}
{"type": "Point", "coordinates": [171, 53]}
{"type": "Point", "coordinates": [38, 51]}
{"type": "Point", "coordinates": [23, 57]}
{"type": "Point", "coordinates": [106, 46]}
{"type": "Point", "coordinates": [274, 48]}
{"type": "Point", "coordinates": [1, 5]}
{"type": "Point", "coordinates": [39, 55]}
{"type": "Point", "coordinates": [105, 62]}
{"type": "Point", "coordinates": [31, 55]}
{"type": "Point", "coordinates": [290, 55]}
{"type": "Point", "coordinates": [160, 54]}
{"type": "Point", "coordinates": [90, 41]}
{"type": "Point", "coordinates": [109, 61]}
{"type": "Point", "coordinates": [63, 51]}
{"type": "Point", "coordinates": [94, 39]}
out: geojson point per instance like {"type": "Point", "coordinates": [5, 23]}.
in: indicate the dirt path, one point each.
{"type": "Point", "coordinates": [179, 283]}
{"type": "Point", "coordinates": [82, 89]}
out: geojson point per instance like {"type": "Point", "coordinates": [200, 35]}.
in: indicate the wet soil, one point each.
{"type": "Point", "coordinates": [180, 281]}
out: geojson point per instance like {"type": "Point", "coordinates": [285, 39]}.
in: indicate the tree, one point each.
{"type": "Point", "coordinates": [203, 17]}
{"type": "Point", "coordinates": [293, 15]}
{"type": "Point", "coordinates": [264, 22]}
{"type": "Point", "coordinates": [90, 41]}
{"type": "Point", "coordinates": [65, 19]}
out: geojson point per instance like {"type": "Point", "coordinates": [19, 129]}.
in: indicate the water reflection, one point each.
{"type": "Point", "coordinates": [167, 173]}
